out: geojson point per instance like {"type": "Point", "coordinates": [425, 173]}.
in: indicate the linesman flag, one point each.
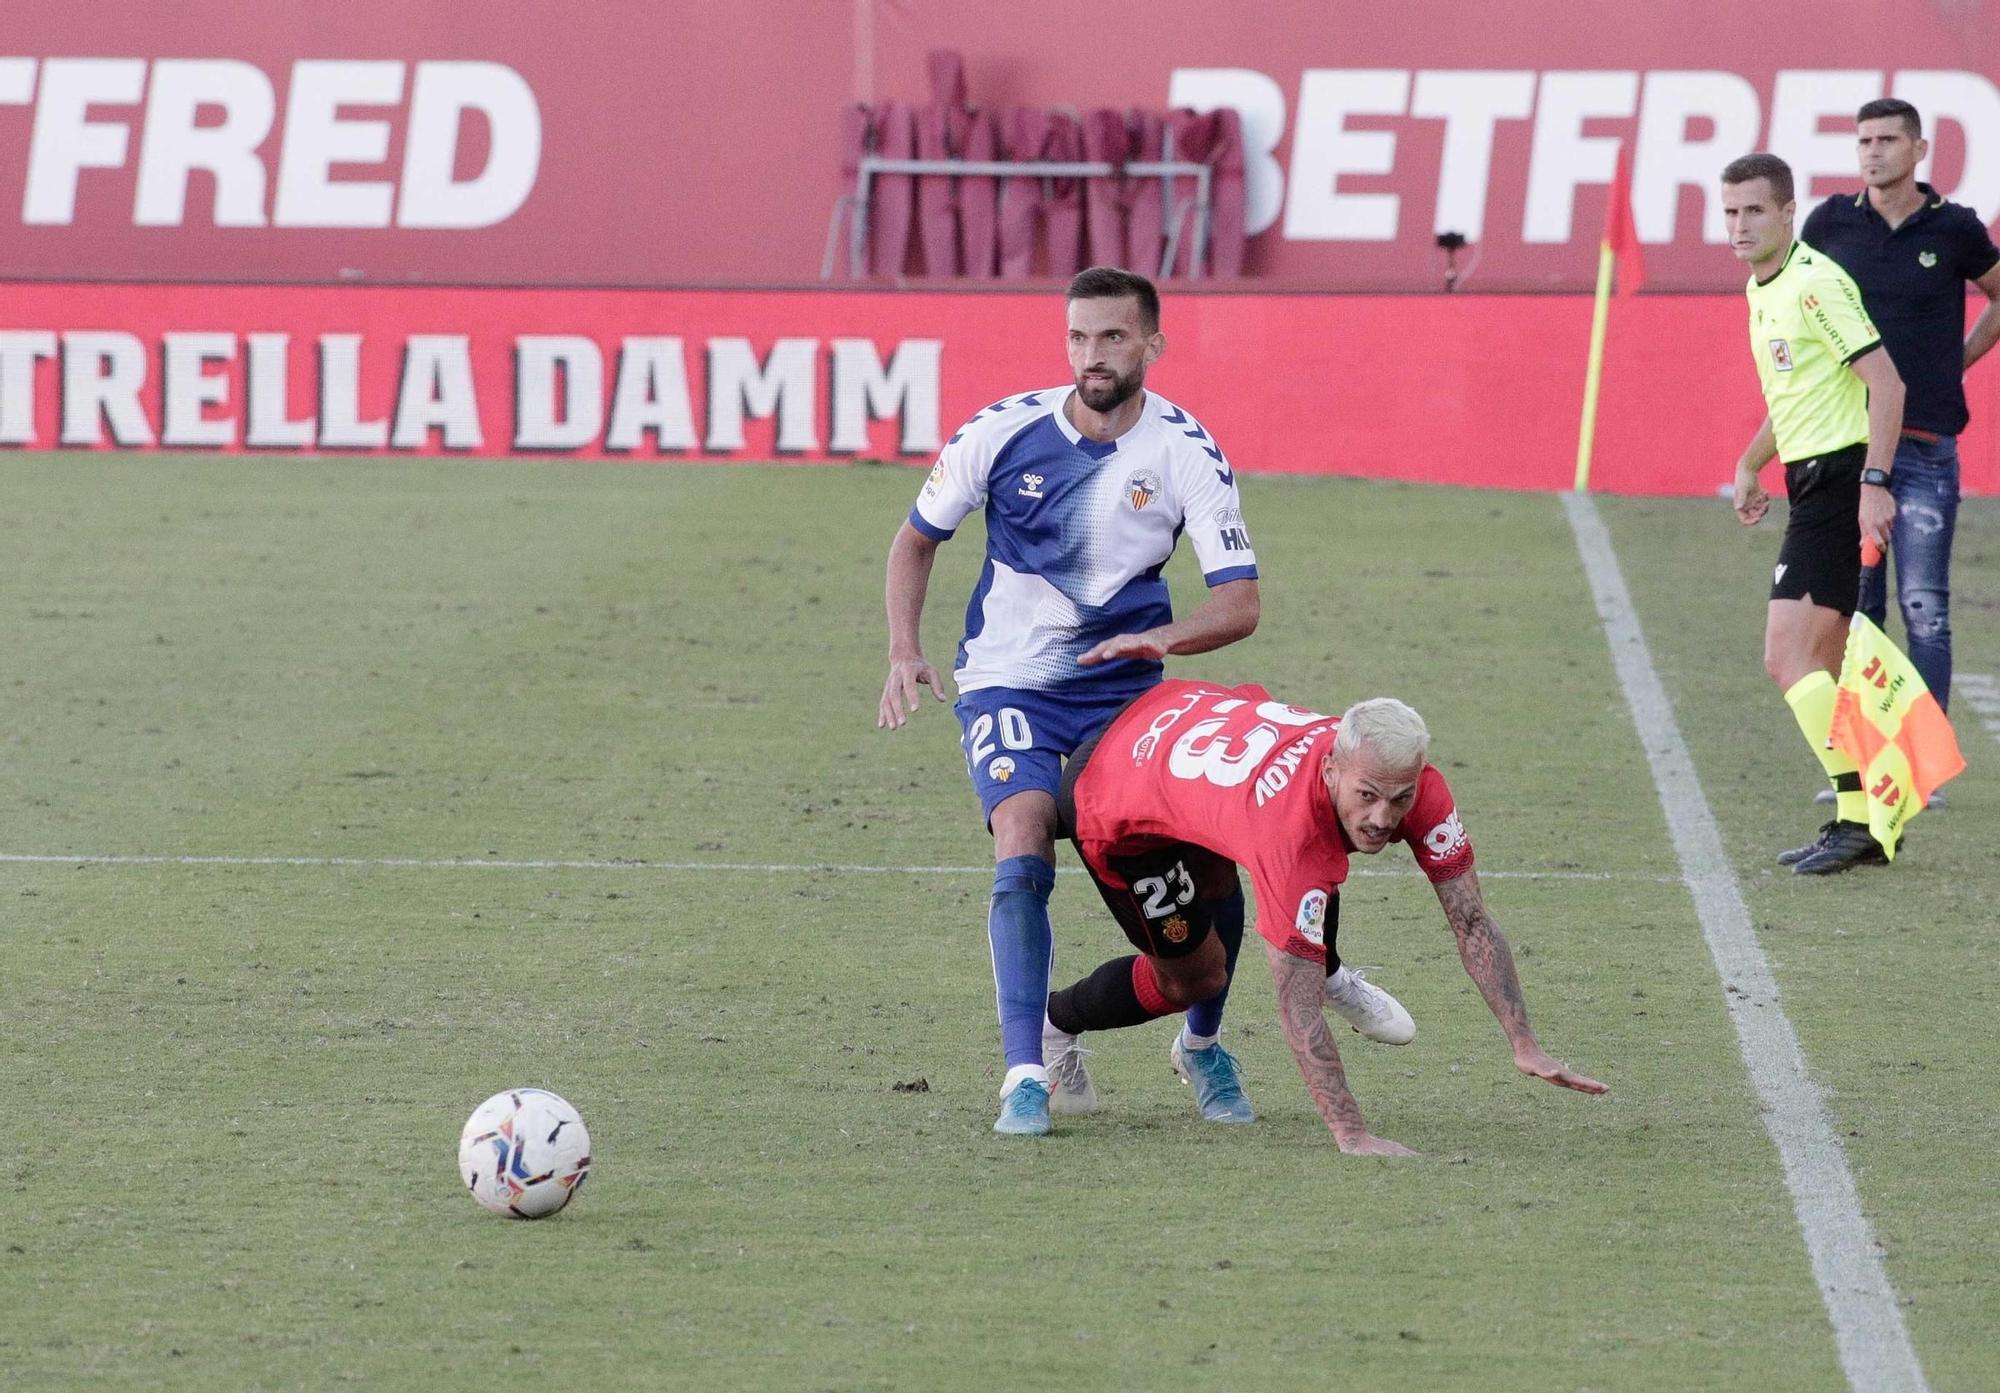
{"type": "Point", "coordinates": [1887, 721]}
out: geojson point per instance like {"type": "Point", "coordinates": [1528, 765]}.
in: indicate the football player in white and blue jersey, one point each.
{"type": "Point", "coordinates": [1086, 489]}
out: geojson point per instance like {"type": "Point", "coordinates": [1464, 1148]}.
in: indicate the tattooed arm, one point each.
{"type": "Point", "coordinates": [1490, 964]}
{"type": "Point", "coordinates": [1301, 985]}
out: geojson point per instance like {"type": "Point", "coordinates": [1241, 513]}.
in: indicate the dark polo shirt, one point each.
{"type": "Point", "coordinates": [1912, 281]}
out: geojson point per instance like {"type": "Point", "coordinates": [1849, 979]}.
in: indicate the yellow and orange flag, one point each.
{"type": "Point", "coordinates": [1888, 722]}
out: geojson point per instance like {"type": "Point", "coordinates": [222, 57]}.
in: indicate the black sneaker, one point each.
{"type": "Point", "coordinates": [1799, 853]}
{"type": "Point", "coordinates": [1849, 844]}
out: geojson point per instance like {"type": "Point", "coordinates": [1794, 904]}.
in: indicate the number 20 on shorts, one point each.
{"type": "Point", "coordinates": [1014, 734]}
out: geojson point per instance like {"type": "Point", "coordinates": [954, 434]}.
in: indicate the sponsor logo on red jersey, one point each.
{"type": "Point", "coordinates": [1446, 839]}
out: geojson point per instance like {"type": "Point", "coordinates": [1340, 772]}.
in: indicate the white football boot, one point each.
{"type": "Point", "coordinates": [1071, 1093]}
{"type": "Point", "coordinates": [1368, 1008]}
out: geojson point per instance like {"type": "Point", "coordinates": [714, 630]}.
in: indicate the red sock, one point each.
{"type": "Point", "coordinates": [1147, 988]}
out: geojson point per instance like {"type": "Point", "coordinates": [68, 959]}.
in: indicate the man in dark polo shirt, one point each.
{"type": "Point", "coordinates": [1911, 253]}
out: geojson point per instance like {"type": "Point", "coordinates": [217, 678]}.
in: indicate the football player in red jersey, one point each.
{"type": "Point", "coordinates": [1193, 780]}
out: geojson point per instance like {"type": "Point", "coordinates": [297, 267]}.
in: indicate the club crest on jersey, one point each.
{"type": "Point", "coordinates": [936, 481]}
{"type": "Point", "coordinates": [1031, 485]}
{"type": "Point", "coordinates": [1001, 770]}
{"type": "Point", "coordinates": [1174, 929]}
{"type": "Point", "coordinates": [1781, 355]}
{"type": "Point", "coordinates": [1142, 486]}
{"type": "Point", "coordinates": [1311, 922]}
{"type": "Point", "coordinates": [1927, 259]}
{"type": "Point", "coordinates": [1445, 838]}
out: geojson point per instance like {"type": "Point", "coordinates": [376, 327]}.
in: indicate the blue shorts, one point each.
{"type": "Point", "coordinates": [1016, 740]}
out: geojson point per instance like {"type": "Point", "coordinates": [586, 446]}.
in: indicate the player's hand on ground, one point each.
{"type": "Point", "coordinates": [1540, 1064]}
{"type": "Point", "coordinates": [900, 698]}
{"type": "Point", "coordinates": [1878, 510]}
{"type": "Point", "coordinates": [1124, 646]}
{"type": "Point", "coordinates": [1368, 1144]}
{"type": "Point", "coordinates": [1750, 501]}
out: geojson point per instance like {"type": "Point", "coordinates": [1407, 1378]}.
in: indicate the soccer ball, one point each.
{"type": "Point", "coordinates": [523, 1153]}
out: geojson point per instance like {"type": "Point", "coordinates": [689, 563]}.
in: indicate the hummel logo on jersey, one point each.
{"type": "Point", "coordinates": [1780, 575]}
{"type": "Point", "coordinates": [1031, 485]}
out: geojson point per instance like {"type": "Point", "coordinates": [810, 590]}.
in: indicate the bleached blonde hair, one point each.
{"type": "Point", "coordinates": [1388, 730]}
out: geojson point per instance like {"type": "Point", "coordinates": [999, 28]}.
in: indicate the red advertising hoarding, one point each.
{"type": "Point", "coordinates": [589, 143]}
{"type": "Point", "coordinates": [1482, 390]}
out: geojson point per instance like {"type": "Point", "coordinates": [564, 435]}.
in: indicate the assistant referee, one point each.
{"type": "Point", "coordinates": [1836, 407]}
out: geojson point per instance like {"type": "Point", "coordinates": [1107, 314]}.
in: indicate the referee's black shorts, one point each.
{"type": "Point", "coordinates": [1820, 559]}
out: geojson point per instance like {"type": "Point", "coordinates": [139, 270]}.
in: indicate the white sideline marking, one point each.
{"type": "Point", "coordinates": [740, 867]}
{"type": "Point", "coordinates": [1983, 691]}
{"type": "Point", "coordinates": [1875, 1349]}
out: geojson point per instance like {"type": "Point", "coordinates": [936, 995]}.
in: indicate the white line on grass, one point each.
{"type": "Point", "coordinates": [1983, 692]}
{"type": "Point", "coordinates": [739, 867]}
{"type": "Point", "coordinates": [1875, 1349]}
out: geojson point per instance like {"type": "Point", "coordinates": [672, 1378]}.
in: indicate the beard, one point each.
{"type": "Point", "coordinates": [1106, 397]}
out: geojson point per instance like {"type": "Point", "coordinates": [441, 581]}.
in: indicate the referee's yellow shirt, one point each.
{"type": "Point", "coordinates": [1806, 326]}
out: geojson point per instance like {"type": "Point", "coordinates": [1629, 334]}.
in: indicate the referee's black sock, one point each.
{"type": "Point", "coordinates": [1108, 999]}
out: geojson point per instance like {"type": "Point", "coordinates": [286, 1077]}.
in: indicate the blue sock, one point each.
{"type": "Point", "coordinates": [1017, 927]}
{"type": "Point", "coordinates": [1205, 1017]}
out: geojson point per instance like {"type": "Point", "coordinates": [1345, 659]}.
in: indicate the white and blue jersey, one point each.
{"type": "Point", "coordinates": [1077, 534]}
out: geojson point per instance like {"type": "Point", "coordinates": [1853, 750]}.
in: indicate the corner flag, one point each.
{"type": "Point", "coordinates": [1621, 232]}
{"type": "Point", "coordinates": [1619, 250]}
{"type": "Point", "coordinates": [1888, 722]}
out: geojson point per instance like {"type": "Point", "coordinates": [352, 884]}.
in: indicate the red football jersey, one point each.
{"type": "Point", "coordinates": [1237, 772]}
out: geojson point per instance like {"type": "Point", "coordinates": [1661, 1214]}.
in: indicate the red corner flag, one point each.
{"type": "Point", "coordinates": [1621, 238]}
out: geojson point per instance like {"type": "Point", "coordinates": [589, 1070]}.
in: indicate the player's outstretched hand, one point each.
{"type": "Point", "coordinates": [1750, 500]}
{"type": "Point", "coordinates": [1538, 1063]}
{"type": "Point", "coordinates": [1368, 1144]}
{"type": "Point", "coordinates": [1124, 646]}
{"type": "Point", "coordinates": [899, 694]}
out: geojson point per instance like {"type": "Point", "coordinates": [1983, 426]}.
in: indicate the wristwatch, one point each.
{"type": "Point", "coordinates": [1877, 477]}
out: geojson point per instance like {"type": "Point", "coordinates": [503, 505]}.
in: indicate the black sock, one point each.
{"type": "Point", "coordinates": [1105, 1000]}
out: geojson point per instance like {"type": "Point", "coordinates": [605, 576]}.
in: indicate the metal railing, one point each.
{"type": "Point", "coordinates": [856, 205]}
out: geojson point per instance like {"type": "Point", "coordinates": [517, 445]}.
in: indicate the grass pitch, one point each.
{"type": "Point", "coordinates": [237, 1085]}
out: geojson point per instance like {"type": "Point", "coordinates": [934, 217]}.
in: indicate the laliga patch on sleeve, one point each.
{"type": "Point", "coordinates": [1311, 923]}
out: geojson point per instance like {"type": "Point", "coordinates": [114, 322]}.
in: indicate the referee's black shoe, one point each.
{"type": "Point", "coordinates": [1847, 845]}
{"type": "Point", "coordinates": [1800, 853]}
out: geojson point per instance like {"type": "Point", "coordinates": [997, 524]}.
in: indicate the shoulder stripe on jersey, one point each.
{"type": "Point", "coordinates": [1180, 418]}
{"type": "Point", "coordinates": [1031, 399]}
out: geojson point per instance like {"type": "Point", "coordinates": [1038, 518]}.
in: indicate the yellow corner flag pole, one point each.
{"type": "Point", "coordinates": [1586, 434]}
